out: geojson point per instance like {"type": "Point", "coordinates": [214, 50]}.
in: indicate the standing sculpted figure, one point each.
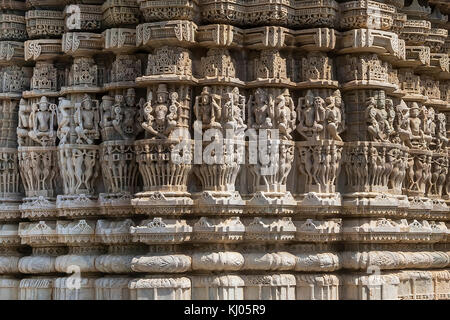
{"type": "Point", "coordinates": [416, 138]}
{"type": "Point", "coordinates": [106, 114]}
{"type": "Point", "coordinates": [117, 108]}
{"type": "Point", "coordinates": [129, 114]}
{"type": "Point", "coordinates": [441, 132]}
{"type": "Point", "coordinates": [42, 122]}
{"type": "Point", "coordinates": [333, 118]}
{"type": "Point", "coordinates": [261, 110]}
{"type": "Point", "coordinates": [207, 109]}
{"type": "Point", "coordinates": [377, 120]}
{"type": "Point", "coordinates": [23, 126]}
{"type": "Point", "coordinates": [234, 113]}
{"type": "Point", "coordinates": [86, 121]}
{"type": "Point", "coordinates": [285, 114]}
{"type": "Point", "coordinates": [63, 120]}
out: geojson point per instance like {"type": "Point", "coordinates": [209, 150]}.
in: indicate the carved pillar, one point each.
{"type": "Point", "coordinates": [43, 238]}
{"type": "Point", "coordinates": [78, 127]}
{"type": "Point", "coordinates": [219, 111]}
{"type": "Point", "coordinates": [9, 261]}
{"type": "Point", "coordinates": [420, 84]}
{"type": "Point", "coordinates": [15, 78]}
{"type": "Point", "coordinates": [84, 249]}
{"type": "Point", "coordinates": [271, 118]}
{"type": "Point", "coordinates": [321, 121]}
{"type": "Point", "coordinates": [78, 152]}
{"type": "Point", "coordinates": [120, 123]}
{"type": "Point", "coordinates": [164, 156]}
{"type": "Point", "coordinates": [165, 259]}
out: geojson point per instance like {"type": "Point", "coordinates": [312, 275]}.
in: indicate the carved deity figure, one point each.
{"type": "Point", "coordinates": [319, 118]}
{"type": "Point", "coordinates": [441, 132]}
{"type": "Point", "coordinates": [333, 119]}
{"type": "Point", "coordinates": [234, 111]}
{"type": "Point", "coordinates": [207, 109]}
{"type": "Point", "coordinates": [86, 120]}
{"type": "Point", "coordinates": [269, 112]}
{"type": "Point", "coordinates": [378, 125]}
{"type": "Point", "coordinates": [24, 122]}
{"type": "Point", "coordinates": [427, 115]}
{"type": "Point", "coordinates": [261, 109]}
{"type": "Point", "coordinates": [129, 114]}
{"type": "Point", "coordinates": [106, 114]}
{"type": "Point", "coordinates": [63, 120]}
{"type": "Point", "coordinates": [285, 115]}
{"type": "Point", "coordinates": [42, 122]}
{"type": "Point", "coordinates": [161, 119]}
{"type": "Point", "coordinates": [415, 124]}
{"type": "Point", "coordinates": [401, 124]}
{"type": "Point", "coordinates": [311, 114]}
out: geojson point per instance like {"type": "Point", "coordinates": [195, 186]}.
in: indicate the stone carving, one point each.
{"type": "Point", "coordinates": [86, 120]}
{"type": "Point", "coordinates": [162, 118]}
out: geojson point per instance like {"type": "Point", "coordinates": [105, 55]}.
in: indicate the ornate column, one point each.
{"type": "Point", "coordinates": [41, 264]}
{"type": "Point", "coordinates": [15, 80]}
{"type": "Point", "coordinates": [321, 122]}
{"type": "Point", "coordinates": [168, 79]}
{"type": "Point", "coordinates": [164, 156]}
{"type": "Point", "coordinates": [373, 159]}
{"type": "Point", "coordinates": [271, 118]}
{"type": "Point", "coordinates": [120, 123]}
{"type": "Point", "coordinates": [78, 127]}
{"type": "Point", "coordinates": [84, 249]}
{"type": "Point", "coordinates": [78, 153]}
{"type": "Point", "coordinates": [219, 112]}
{"type": "Point", "coordinates": [38, 115]}
{"type": "Point", "coordinates": [9, 261]}
{"type": "Point", "coordinates": [15, 76]}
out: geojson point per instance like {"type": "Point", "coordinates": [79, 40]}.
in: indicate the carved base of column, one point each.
{"type": "Point", "coordinates": [420, 207]}
{"type": "Point", "coordinates": [9, 288]}
{"type": "Point", "coordinates": [115, 204]}
{"type": "Point", "coordinates": [217, 202]}
{"type": "Point", "coordinates": [320, 203]}
{"type": "Point", "coordinates": [10, 208]}
{"type": "Point", "coordinates": [74, 206]}
{"type": "Point", "coordinates": [439, 209]}
{"type": "Point", "coordinates": [162, 203]}
{"type": "Point", "coordinates": [36, 288]}
{"type": "Point", "coordinates": [37, 208]}
{"type": "Point", "coordinates": [271, 203]}
{"type": "Point", "coordinates": [415, 285]}
{"type": "Point", "coordinates": [160, 288]}
{"type": "Point", "coordinates": [318, 286]}
{"type": "Point", "coordinates": [64, 288]}
{"type": "Point", "coordinates": [221, 287]}
{"type": "Point", "coordinates": [371, 287]}
{"type": "Point", "coordinates": [112, 288]}
{"type": "Point", "coordinates": [225, 230]}
{"type": "Point", "coordinates": [372, 204]}
{"type": "Point", "coordinates": [269, 287]}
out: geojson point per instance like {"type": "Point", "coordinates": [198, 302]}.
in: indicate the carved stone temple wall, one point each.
{"type": "Point", "coordinates": [102, 195]}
